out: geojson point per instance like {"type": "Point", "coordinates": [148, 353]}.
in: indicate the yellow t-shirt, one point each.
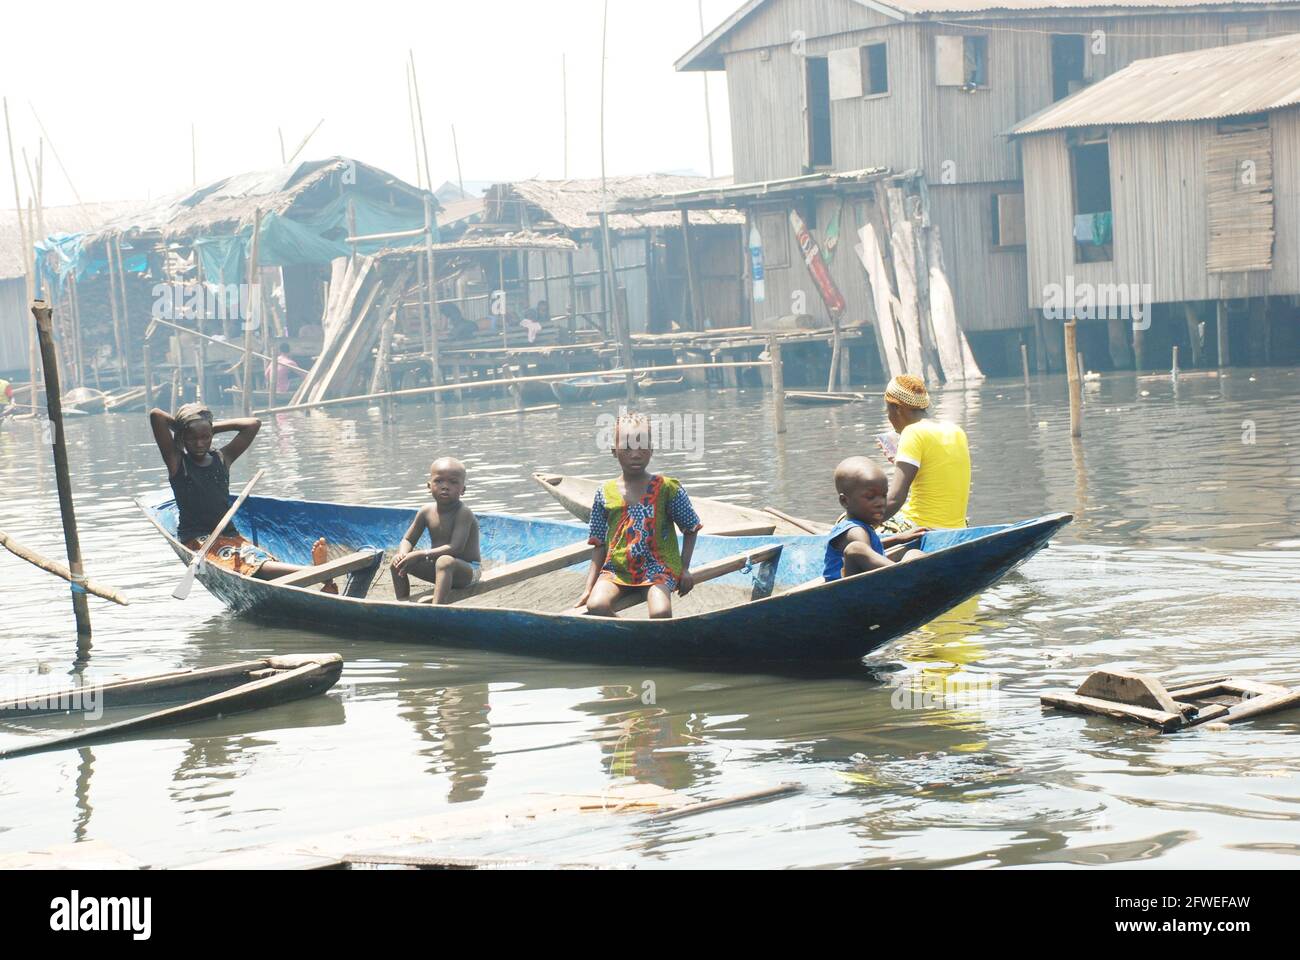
{"type": "Point", "coordinates": [941, 491]}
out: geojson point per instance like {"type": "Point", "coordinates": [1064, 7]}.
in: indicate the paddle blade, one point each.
{"type": "Point", "coordinates": [187, 583]}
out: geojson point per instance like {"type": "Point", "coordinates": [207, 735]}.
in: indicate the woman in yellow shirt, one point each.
{"type": "Point", "coordinates": [931, 483]}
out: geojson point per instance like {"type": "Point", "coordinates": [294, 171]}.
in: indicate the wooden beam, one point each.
{"type": "Point", "coordinates": [510, 574]}
{"type": "Point", "coordinates": [309, 576]}
{"type": "Point", "coordinates": [710, 571]}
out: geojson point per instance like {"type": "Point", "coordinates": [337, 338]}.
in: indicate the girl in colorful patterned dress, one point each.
{"type": "Point", "coordinates": [632, 519]}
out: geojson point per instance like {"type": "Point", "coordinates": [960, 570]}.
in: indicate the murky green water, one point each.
{"type": "Point", "coordinates": [1184, 561]}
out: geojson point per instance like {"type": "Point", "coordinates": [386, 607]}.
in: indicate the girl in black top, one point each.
{"type": "Point", "coordinates": [200, 479]}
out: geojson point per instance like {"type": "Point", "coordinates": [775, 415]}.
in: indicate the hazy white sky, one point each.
{"type": "Point", "coordinates": [118, 85]}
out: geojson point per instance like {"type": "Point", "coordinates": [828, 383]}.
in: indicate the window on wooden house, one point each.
{"type": "Point", "coordinates": [1093, 225]}
{"type": "Point", "coordinates": [774, 230]}
{"type": "Point", "coordinates": [1068, 60]}
{"type": "Point", "coordinates": [817, 108]}
{"type": "Point", "coordinates": [857, 72]}
{"type": "Point", "coordinates": [962, 61]}
{"type": "Point", "coordinates": [1239, 195]}
{"type": "Point", "coordinates": [1008, 210]}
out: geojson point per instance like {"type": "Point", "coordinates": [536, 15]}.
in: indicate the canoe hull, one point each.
{"type": "Point", "coordinates": [835, 622]}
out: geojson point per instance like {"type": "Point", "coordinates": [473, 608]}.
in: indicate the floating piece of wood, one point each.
{"type": "Point", "coordinates": [782, 790]}
{"type": "Point", "coordinates": [59, 570]}
{"type": "Point", "coordinates": [1144, 699]}
{"type": "Point", "coordinates": [823, 399]}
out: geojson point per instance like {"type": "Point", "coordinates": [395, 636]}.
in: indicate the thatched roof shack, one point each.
{"type": "Point", "coordinates": [58, 220]}
{"type": "Point", "coordinates": [312, 192]}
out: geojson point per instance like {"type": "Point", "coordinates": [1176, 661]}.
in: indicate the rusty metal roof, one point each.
{"type": "Point", "coordinates": [1202, 85]}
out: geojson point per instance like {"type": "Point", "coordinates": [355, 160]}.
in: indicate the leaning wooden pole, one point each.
{"type": "Point", "coordinates": [45, 333]}
{"type": "Point", "coordinates": [59, 570]}
{"type": "Point", "coordinates": [1075, 378]}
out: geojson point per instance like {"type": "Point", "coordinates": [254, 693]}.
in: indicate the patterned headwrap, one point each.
{"type": "Point", "coordinates": [908, 390]}
{"type": "Point", "coordinates": [187, 416]}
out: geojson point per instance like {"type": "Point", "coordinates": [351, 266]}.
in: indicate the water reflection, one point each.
{"type": "Point", "coordinates": [1184, 560]}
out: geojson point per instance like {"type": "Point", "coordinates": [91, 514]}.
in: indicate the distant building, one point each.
{"type": "Point", "coordinates": [1163, 207]}
{"type": "Point", "coordinates": [649, 252]}
{"type": "Point", "coordinates": [931, 87]}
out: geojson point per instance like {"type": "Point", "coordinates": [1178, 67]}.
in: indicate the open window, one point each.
{"type": "Point", "coordinates": [962, 61]}
{"type": "Point", "coordinates": [1093, 226]}
{"type": "Point", "coordinates": [817, 101]}
{"type": "Point", "coordinates": [1008, 213]}
{"type": "Point", "coordinates": [1068, 53]}
{"type": "Point", "coordinates": [858, 72]}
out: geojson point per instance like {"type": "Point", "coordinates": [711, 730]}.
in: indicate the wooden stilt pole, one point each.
{"type": "Point", "coordinates": [692, 282]}
{"type": "Point", "coordinates": [117, 317]}
{"type": "Point", "coordinates": [1075, 378]}
{"type": "Point", "coordinates": [126, 315]}
{"type": "Point", "coordinates": [1024, 362]}
{"type": "Point", "coordinates": [148, 375]}
{"type": "Point", "coordinates": [1174, 369]}
{"type": "Point", "coordinates": [1221, 333]}
{"type": "Point", "coordinates": [431, 278]}
{"type": "Point", "coordinates": [53, 402]}
{"type": "Point", "coordinates": [778, 383]}
{"type": "Point", "coordinates": [255, 307]}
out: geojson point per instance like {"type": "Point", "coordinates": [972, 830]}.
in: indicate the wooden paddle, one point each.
{"type": "Point", "coordinates": [187, 582]}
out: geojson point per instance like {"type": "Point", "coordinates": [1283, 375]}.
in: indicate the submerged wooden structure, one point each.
{"type": "Point", "coordinates": [1141, 698]}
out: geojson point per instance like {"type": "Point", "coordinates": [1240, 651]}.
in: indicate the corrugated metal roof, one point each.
{"type": "Point", "coordinates": [1201, 85]}
{"type": "Point", "coordinates": [573, 204]}
{"type": "Point", "coordinates": [705, 56]}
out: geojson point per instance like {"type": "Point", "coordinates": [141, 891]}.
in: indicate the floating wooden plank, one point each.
{"type": "Point", "coordinates": [511, 412]}
{"type": "Point", "coordinates": [310, 576]}
{"type": "Point", "coordinates": [1162, 720]}
{"type": "Point", "coordinates": [710, 571]}
{"type": "Point", "coordinates": [782, 790]}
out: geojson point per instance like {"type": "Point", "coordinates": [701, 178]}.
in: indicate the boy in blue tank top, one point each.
{"type": "Point", "coordinates": [853, 546]}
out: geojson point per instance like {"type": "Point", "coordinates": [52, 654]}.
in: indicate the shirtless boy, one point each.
{"type": "Point", "coordinates": [452, 562]}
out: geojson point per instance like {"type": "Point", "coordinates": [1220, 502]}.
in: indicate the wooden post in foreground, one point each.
{"type": "Point", "coordinates": [1075, 378]}
{"type": "Point", "coordinates": [54, 405]}
{"type": "Point", "coordinates": [778, 382]}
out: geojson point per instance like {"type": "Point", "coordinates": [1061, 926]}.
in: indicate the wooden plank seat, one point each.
{"type": "Point", "coordinates": [509, 574]}
{"type": "Point", "coordinates": [359, 567]}
{"type": "Point", "coordinates": [764, 559]}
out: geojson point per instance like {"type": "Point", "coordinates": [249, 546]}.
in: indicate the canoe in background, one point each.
{"type": "Point", "coordinates": [838, 622]}
{"type": "Point", "coordinates": [720, 519]}
{"type": "Point", "coordinates": [200, 694]}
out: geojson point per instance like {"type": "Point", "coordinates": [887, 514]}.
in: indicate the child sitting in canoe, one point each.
{"type": "Point", "coordinates": [632, 519]}
{"type": "Point", "coordinates": [452, 562]}
{"type": "Point", "coordinates": [200, 481]}
{"type": "Point", "coordinates": [852, 545]}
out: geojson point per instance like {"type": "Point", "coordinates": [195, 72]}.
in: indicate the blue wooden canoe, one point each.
{"type": "Point", "coordinates": [831, 622]}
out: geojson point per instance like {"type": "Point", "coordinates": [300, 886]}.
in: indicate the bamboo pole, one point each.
{"type": "Point", "coordinates": [692, 282]}
{"type": "Point", "coordinates": [778, 382]}
{"type": "Point", "coordinates": [511, 381]}
{"type": "Point", "coordinates": [1074, 378]}
{"type": "Point", "coordinates": [59, 570]}
{"type": "Point", "coordinates": [455, 146]}
{"type": "Point", "coordinates": [1024, 362]}
{"type": "Point", "coordinates": [22, 231]}
{"type": "Point", "coordinates": [54, 405]}
{"type": "Point", "coordinates": [415, 134]}
{"type": "Point", "coordinates": [206, 339]}
{"type": "Point", "coordinates": [419, 112]}
{"type": "Point", "coordinates": [126, 313]}
{"type": "Point", "coordinates": [78, 345]}
{"type": "Point", "coordinates": [148, 374]}
{"type": "Point", "coordinates": [1173, 373]}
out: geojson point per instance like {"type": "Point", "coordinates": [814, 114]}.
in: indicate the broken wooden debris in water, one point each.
{"type": "Point", "coordinates": [782, 790]}
{"type": "Point", "coordinates": [1139, 697]}
{"type": "Point", "coordinates": [59, 570]}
